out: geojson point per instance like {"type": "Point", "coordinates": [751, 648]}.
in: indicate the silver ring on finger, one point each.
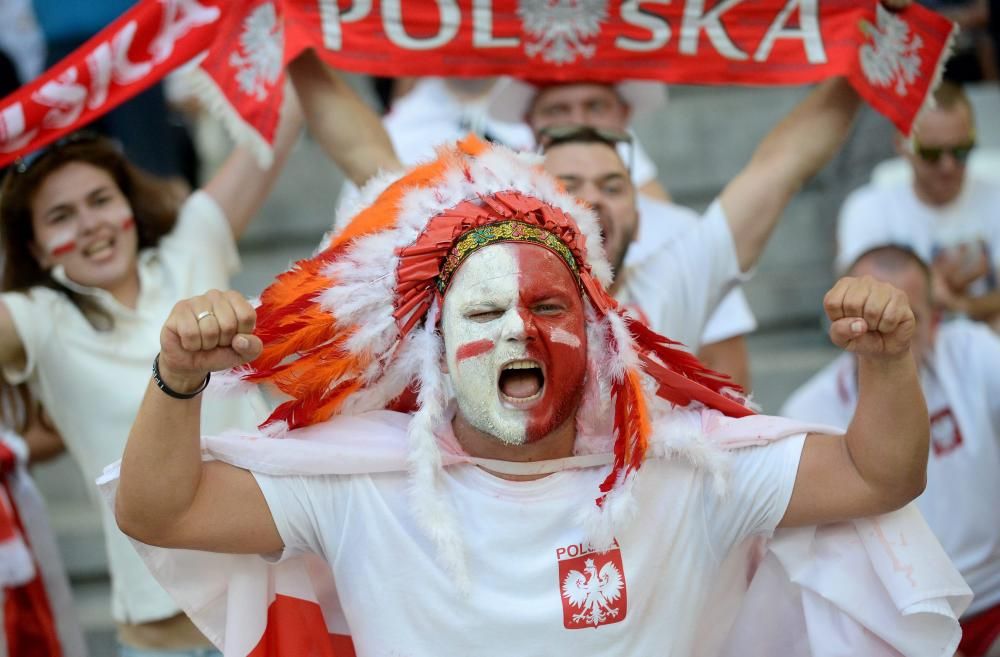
{"type": "Point", "coordinates": [203, 314]}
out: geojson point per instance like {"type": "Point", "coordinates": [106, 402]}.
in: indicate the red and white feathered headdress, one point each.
{"type": "Point", "coordinates": [354, 328]}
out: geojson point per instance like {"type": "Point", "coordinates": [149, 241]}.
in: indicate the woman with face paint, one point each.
{"type": "Point", "coordinates": [95, 254]}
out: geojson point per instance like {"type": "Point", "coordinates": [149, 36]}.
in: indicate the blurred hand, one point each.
{"type": "Point", "coordinates": [205, 334]}
{"type": "Point", "coordinates": [960, 265]}
{"type": "Point", "coordinates": [869, 318]}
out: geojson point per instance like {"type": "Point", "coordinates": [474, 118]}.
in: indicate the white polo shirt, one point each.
{"type": "Point", "coordinates": [91, 382]}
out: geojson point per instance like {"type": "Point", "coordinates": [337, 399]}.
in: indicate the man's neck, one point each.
{"type": "Point", "coordinates": [556, 445]}
{"type": "Point", "coordinates": [932, 202]}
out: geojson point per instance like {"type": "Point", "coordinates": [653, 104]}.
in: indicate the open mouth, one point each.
{"type": "Point", "coordinates": [521, 381]}
{"type": "Point", "coordinates": [100, 250]}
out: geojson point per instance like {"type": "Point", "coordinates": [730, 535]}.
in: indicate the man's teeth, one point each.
{"type": "Point", "coordinates": [521, 365]}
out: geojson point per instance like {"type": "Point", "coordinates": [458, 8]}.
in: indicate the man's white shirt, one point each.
{"type": "Point", "coordinates": [876, 215]}
{"type": "Point", "coordinates": [535, 583]}
{"type": "Point", "coordinates": [961, 383]}
{"type": "Point", "coordinates": [677, 283]}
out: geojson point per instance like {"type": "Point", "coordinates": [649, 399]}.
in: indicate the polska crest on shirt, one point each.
{"type": "Point", "coordinates": [591, 586]}
{"type": "Point", "coordinates": [945, 434]}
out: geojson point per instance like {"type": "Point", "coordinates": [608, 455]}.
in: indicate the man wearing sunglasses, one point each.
{"type": "Point", "coordinates": [719, 341]}
{"type": "Point", "coordinates": [944, 213]}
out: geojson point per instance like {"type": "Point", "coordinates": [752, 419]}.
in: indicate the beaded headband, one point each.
{"type": "Point", "coordinates": [503, 231]}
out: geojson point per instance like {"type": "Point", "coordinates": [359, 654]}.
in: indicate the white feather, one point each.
{"type": "Point", "coordinates": [431, 507]}
{"type": "Point", "coordinates": [229, 384]}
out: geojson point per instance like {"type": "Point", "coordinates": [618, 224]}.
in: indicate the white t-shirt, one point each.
{"type": "Point", "coordinates": [660, 224]}
{"type": "Point", "coordinates": [536, 588]}
{"type": "Point", "coordinates": [91, 382]}
{"type": "Point", "coordinates": [678, 286]}
{"type": "Point", "coordinates": [963, 471]}
{"type": "Point", "coordinates": [892, 214]}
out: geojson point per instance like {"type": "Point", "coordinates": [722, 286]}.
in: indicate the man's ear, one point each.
{"type": "Point", "coordinates": [443, 362]}
{"type": "Point", "coordinates": [902, 144]}
{"type": "Point", "coordinates": [627, 111]}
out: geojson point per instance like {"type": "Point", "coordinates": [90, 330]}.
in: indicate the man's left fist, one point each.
{"type": "Point", "coordinates": [869, 318]}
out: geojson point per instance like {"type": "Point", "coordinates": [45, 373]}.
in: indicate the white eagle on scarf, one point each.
{"type": "Point", "coordinates": [561, 27]}
{"type": "Point", "coordinates": [262, 42]}
{"type": "Point", "coordinates": [893, 54]}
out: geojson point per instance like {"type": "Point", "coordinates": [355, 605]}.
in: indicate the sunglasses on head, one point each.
{"type": "Point", "coordinates": [585, 134]}
{"type": "Point", "coordinates": [24, 164]}
{"type": "Point", "coordinates": [933, 154]}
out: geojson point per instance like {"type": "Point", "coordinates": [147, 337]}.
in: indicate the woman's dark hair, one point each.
{"type": "Point", "coordinates": [154, 202]}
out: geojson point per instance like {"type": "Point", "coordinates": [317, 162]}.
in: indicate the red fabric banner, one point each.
{"type": "Point", "coordinates": [892, 59]}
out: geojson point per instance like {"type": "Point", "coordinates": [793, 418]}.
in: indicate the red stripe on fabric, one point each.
{"type": "Point", "coordinates": [8, 460]}
{"type": "Point", "coordinates": [28, 622]}
{"type": "Point", "coordinates": [296, 627]}
{"type": "Point", "coordinates": [980, 632]}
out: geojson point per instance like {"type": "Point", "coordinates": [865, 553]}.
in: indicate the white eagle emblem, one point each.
{"type": "Point", "coordinates": [561, 27]}
{"type": "Point", "coordinates": [892, 56]}
{"type": "Point", "coordinates": [593, 592]}
{"type": "Point", "coordinates": [262, 42]}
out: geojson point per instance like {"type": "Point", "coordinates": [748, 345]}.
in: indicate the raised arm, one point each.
{"type": "Point", "coordinates": [241, 185]}
{"type": "Point", "coordinates": [166, 495]}
{"type": "Point", "coordinates": [348, 129]}
{"type": "Point", "coordinates": [794, 151]}
{"type": "Point", "coordinates": [881, 463]}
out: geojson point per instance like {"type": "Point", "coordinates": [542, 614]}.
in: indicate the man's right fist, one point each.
{"type": "Point", "coordinates": [205, 334]}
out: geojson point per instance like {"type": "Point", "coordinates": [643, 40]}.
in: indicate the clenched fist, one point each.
{"type": "Point", "coordinates": [205, 334]}
{"type": "Point", "coordinates": [869, 318]}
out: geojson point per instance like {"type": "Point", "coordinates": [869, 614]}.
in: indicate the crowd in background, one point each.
{"type": "Point", "coordinates": [928, 222]}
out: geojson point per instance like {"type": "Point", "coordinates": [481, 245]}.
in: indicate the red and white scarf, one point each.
{"type": "Point", "coordinates": [36, 610]}
{"type": "Point", "coordinates": [892, 59]}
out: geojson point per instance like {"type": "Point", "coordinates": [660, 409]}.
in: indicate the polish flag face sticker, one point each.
{"type": "Point", "coordinates": [62, 243]}
{"type": "Point", "coordinates": [592, 586]}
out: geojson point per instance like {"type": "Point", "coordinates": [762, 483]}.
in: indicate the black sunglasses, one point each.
{"type": "Point", "coordinates": [585, 134]}
{"type": "Point", "coordinates": [933, 154]}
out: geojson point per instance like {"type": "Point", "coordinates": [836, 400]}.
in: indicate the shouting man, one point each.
{"type": "Point", "coordinates": [488, 455]}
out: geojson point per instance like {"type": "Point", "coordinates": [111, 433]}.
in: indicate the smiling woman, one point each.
{"type": "Point", "coordinates": [95, 252]}
{"type": "Point", "coordinates": [73, 199]}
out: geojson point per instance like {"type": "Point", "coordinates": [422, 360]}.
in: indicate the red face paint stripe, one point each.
{"type": "Point", "coordinates": [128, 224]}
{"type": "Point", "coordinates": [542, 274]}
{"type": "Point", "coordinates": [473, 349]}
{"type": "Point", "coordinates": [64, 248]}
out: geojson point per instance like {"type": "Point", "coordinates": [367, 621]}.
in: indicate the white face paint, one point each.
{"type": "Point", "coordinates": [515, 339]}
{"type": "Point", "coordinates": [484, 331]}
